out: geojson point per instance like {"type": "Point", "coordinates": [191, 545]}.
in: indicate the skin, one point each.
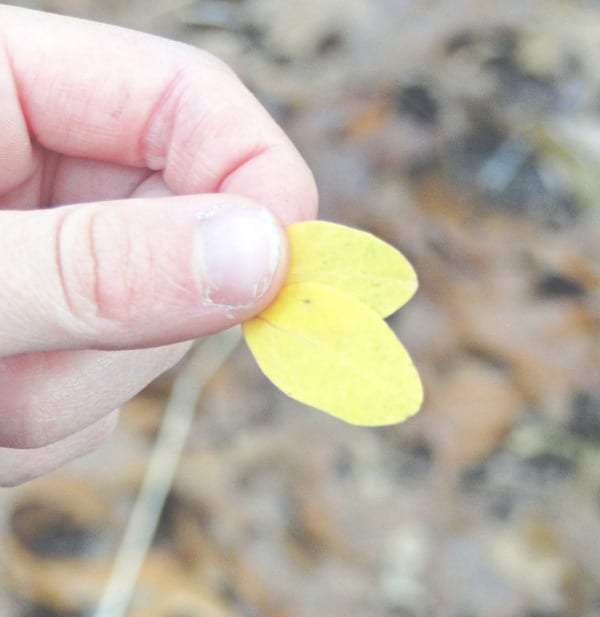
{"type": "Point", "coordinates": [115, 149]}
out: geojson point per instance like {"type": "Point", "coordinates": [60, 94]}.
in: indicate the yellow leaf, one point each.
{"type": "Point", "coordinates": [355, 262]}
{"type": "Point", "coordinates": [326, 349]}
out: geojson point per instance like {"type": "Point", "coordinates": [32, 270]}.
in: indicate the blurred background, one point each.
{"type": "Point", "coordinates": [467, 134]}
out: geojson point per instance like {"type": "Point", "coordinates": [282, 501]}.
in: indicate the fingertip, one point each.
{"type": "Point", "coordinates": [280, 180]}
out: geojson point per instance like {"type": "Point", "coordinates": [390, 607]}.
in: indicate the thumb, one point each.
{"type": "Point", "coordinates": [135, 273]}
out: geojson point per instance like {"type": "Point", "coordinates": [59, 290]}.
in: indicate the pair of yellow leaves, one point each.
{"type": "Point", "coordinates": [323, 340]}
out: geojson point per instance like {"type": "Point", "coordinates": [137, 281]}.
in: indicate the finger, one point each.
{"type": "Point", "coordinates": [101, 92]}
{"type": "Point", "coordinates": [136, 273]}
{"type": "Point", "coordinates": [48, 396]}
{"type": "Point", "coordinates": [84, 181]}
{"type": "Point", "coordinates": [77, 180]}
{"type": "Point", "coordinates": [18, 465]}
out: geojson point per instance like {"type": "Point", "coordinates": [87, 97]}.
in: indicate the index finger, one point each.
{"type": "Point", "coordinates": [96, 91]}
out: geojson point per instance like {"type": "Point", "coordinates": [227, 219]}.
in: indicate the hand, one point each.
{"type": "Point", "coordinates": [178, 184]}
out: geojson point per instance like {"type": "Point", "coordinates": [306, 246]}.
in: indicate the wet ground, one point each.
{"type": "Point", "coordinates": [466, 133]}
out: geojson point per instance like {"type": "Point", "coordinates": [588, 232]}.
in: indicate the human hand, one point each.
{"type": "Point", "coordinates": [164, 157]}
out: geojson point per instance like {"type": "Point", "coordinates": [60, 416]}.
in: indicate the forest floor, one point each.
{"type": "Point", "coordinates": [467, 134]}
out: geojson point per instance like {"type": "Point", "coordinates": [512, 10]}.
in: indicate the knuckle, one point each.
{"type": "Point", "coordinates": [95, 262]}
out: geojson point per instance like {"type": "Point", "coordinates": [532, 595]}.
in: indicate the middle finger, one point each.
{"type": "Point", "coordinates": [47, 396]}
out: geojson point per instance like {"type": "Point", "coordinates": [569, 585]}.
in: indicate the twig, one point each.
{"type": "Point", "coordinates": [201, 365]}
